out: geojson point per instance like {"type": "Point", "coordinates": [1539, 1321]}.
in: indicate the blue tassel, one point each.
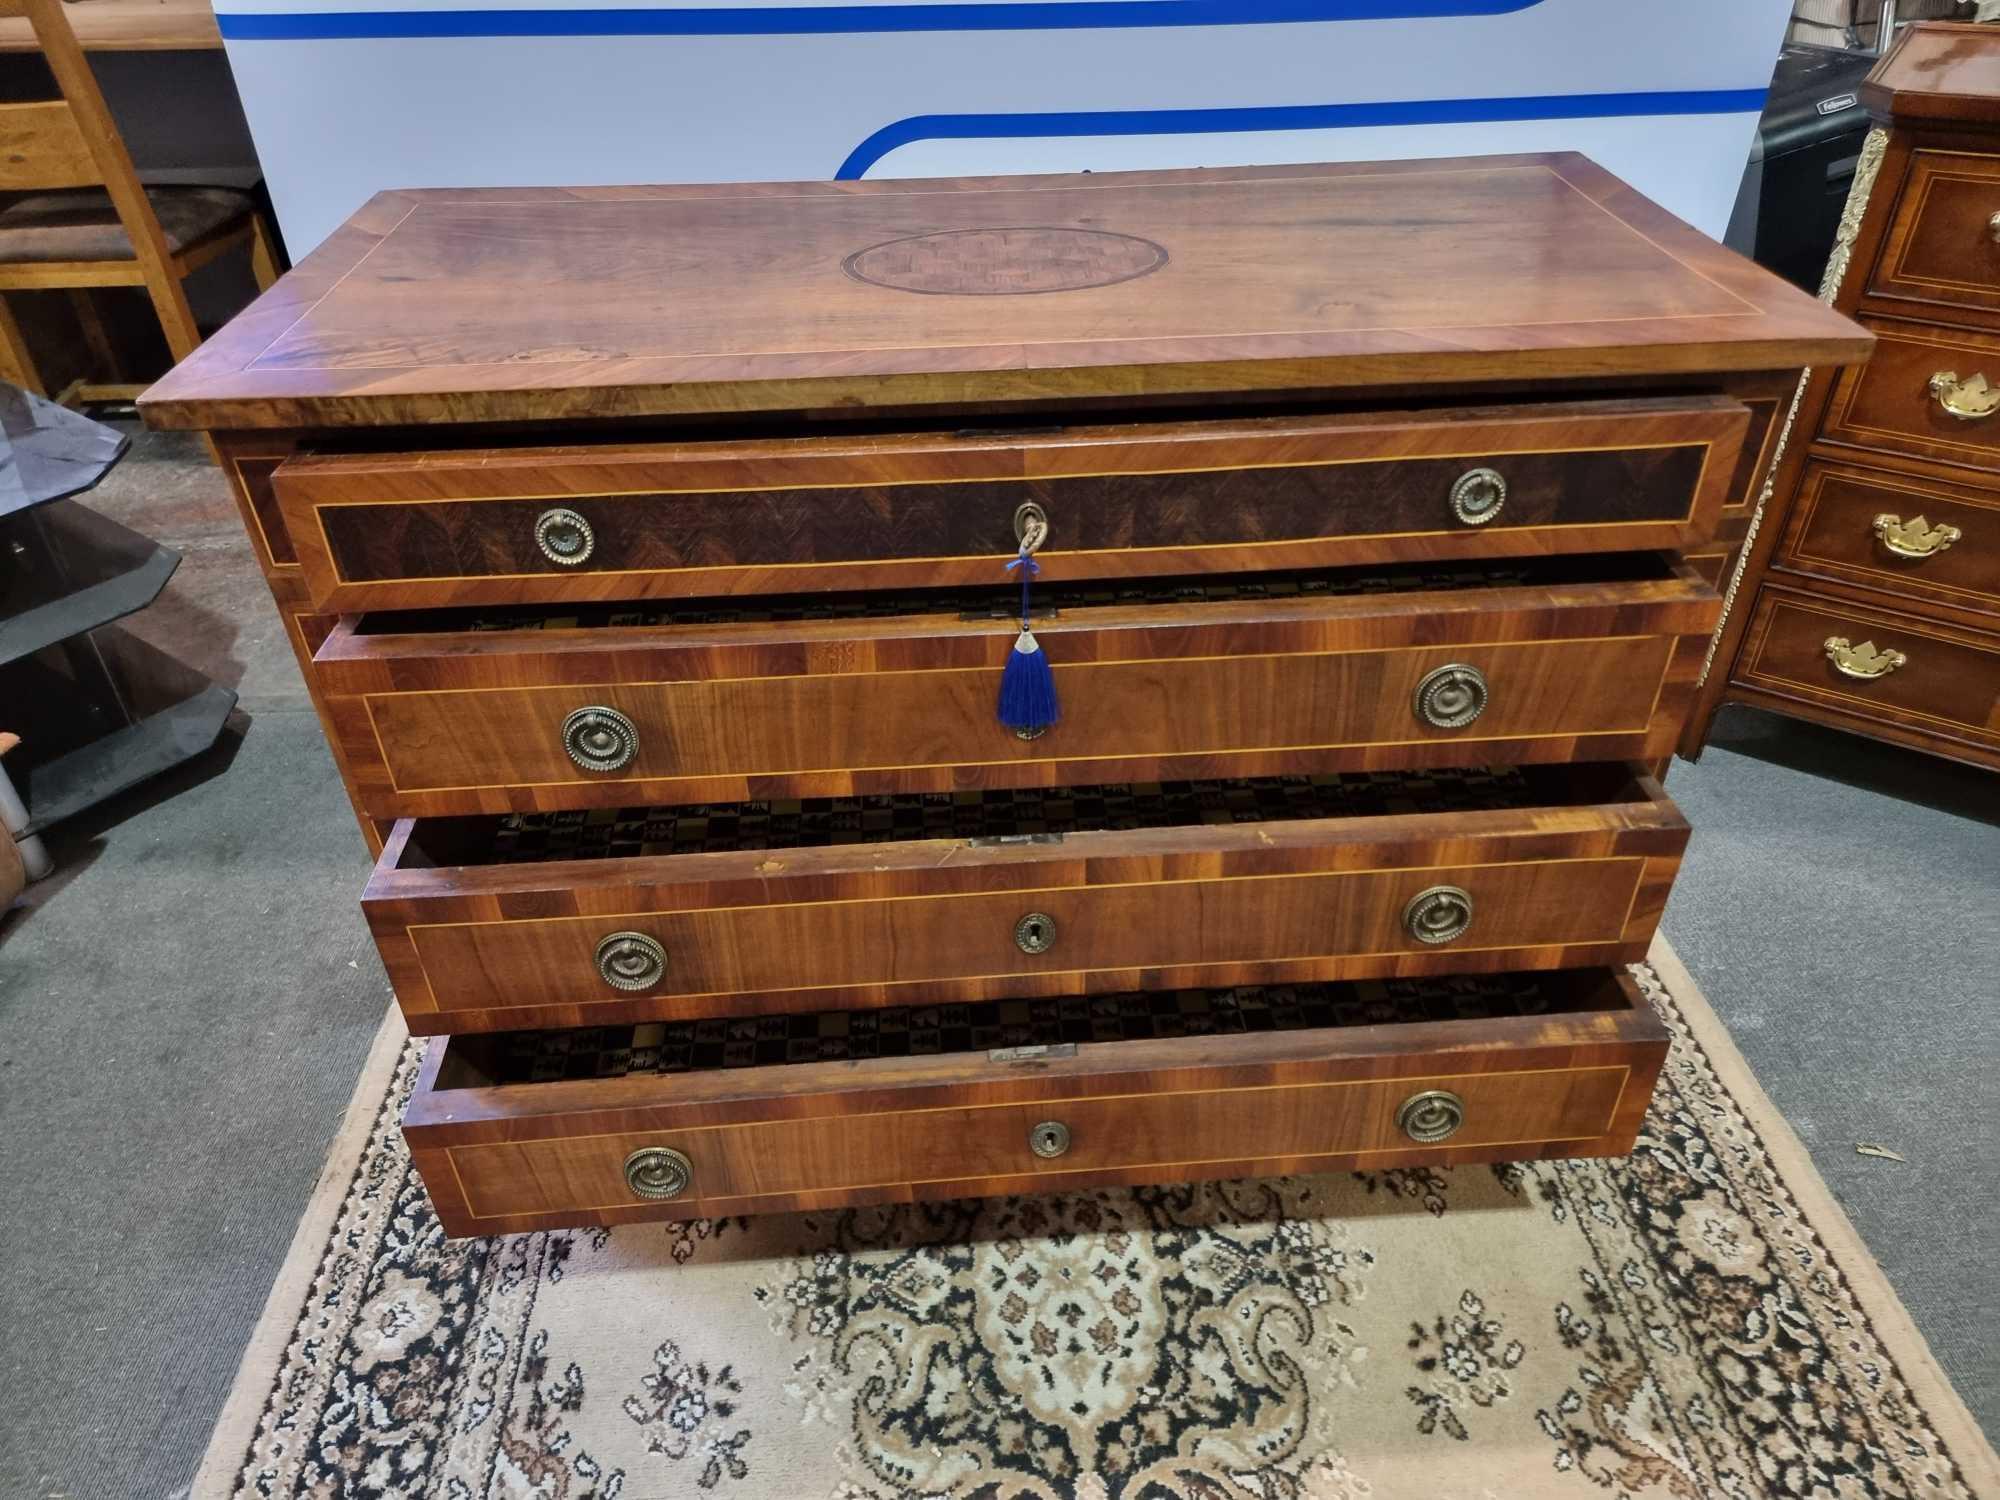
{"type": "Point", "coordinates": [1028, 686]}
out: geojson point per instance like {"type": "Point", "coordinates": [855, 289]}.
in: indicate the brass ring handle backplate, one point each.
{"type": "Point", "coordinates": [1049, 1139]}
{"type": "Point", "coordinates": [1438, 915]}
{"type": "Point", "coordinates": [564, 536]}
{"type": "Point", "coordinates": [1970, 399]}
{"type": "Point", "coordinates": [1431, 1116]}
{"type": "Point", "coordinates": [1035, 933]}
{"type": "Point", "coordinates": [1031, 525]}
{"type": "Point", "coordinates": [1915, 538]}
{"type": "Point", "coordinates": [1478, 496]}
{"type": "Point", "coordinates": [1864, 661]}
{"type": "Point", "coordinates": [658, 1172]}
{"type": "Point", "coordinates": [1451, 696]}
{"type": "Point", "coordinates": [600, 739]}
{"type": "Point", "coordinates": [631, 961]}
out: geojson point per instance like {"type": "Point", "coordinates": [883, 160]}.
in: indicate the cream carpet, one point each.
{"type": "Point", "coordinates": [1696, 1321]}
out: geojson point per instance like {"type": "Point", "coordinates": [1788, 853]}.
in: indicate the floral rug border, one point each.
{"type": "Point", "coordinates": [355, 1200]}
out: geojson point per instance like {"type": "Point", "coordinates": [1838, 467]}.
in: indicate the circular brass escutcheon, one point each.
{"type": "Point", "coordinates": [631, 961]}
{"type": "Point", "coordinates": [1431, 1116]}
{"type": "Point", "coordinates": [658, 1172]}
{"type": "Point", "coordinates": [564, 536]}
{"type": "Point", "coordinates": [1050, 1138]}
{"type": "Point", "coordinates": [1035, 933]}
{"type": "Point", "coordinates": [1478, 496]}
{"type": "Point", "coordinates": [1439, 914]}
{"type": "Point", "coordinates": [600, 739]}
{"type": "Point", "coordinates": [1451, 696]}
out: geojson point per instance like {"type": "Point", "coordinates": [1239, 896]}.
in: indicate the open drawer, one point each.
{"type": "Point", "coordinates": [657, 520]}
{"type": "Point", "coordinates": [568, 919]}
{"type": "Point", "coordinates": [835, 695]}
{"type": "Point", "coordinates": [541, 1130]}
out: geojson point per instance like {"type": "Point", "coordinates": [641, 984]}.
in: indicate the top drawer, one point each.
{"type": "Point", "coordinates": [1944, 242]}
{"type": "Point", "coordinates": [546, 525]}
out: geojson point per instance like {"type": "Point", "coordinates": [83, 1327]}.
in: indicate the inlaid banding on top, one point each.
{"type": "Point", "coordinates": [1005, 262]}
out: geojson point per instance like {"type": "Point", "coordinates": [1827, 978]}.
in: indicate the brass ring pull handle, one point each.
{"type": "Point", "coordinates": [1478, 496]}
{"type": "Point", "coordinates": [1915, 538]}
{"type": "Point", "coordinates": [564, 536]}
{"type": "Point", "coordinates": [600, 739]}
{"type": "Point", "coordinates": [1431, 1116]}
{"type": "Point", "coordinates": [1031, 526]}
{"type": "Point", "coordinates": [1863, 661]}
{"type": "Point", "coordinates": [1970, 399]}
{"type": "Point", "coordinates": [1452, 696]}
{"type": "Point", "coordinates": [1049, 1139]}
{"type": "Point", "coordinates": [1035, 933]}
{"type": "Point", "coordinates": [1438, 915]}
{"type": "Point", "coordinates": [631, 961]}
{"type": "Point", "coordinates": [658, 1172]}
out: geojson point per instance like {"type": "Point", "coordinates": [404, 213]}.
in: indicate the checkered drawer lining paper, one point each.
{"type": "Point", "coordinates": [1002, 602]}
{"type": "Point", "coordinates": [932, 1030]}
{"type": "Point", "coordinates": [817, 822]}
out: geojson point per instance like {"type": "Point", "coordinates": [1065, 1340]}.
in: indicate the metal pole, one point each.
{"type": "Point", "coordinates": [1885, 28]}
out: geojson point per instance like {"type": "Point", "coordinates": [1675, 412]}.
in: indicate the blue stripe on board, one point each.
{"type": "Point", "coordinates": [1294, 117]}
{"type": "Point", "coordinates": [809, 20]}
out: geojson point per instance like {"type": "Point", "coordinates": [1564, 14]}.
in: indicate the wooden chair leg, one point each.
{"type": "Point", "coordinates": [170, 305]}
{"type": "Point", "coordinates": [263, 254]}
{"type": "Point", "coordinates": [16, 363]}
{"type": "Point", "coordinates": [104, 362]}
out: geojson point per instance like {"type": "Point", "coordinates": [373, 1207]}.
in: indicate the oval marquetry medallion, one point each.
{"type": "Point", "coordinates": [1005, 262]}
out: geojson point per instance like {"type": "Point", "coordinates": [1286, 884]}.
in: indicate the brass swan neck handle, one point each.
{"type": "Point", "coordinates": [1970, 399]}
{"type": "Point", "coordinates": [1864, 661]}
{"type": "Point", "coordinates": [1915, 538]}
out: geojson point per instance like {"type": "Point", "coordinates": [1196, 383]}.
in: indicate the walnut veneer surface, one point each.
{"type": "Point", "coordinates": [1871, 598]}
{"type": "Point", "coordinates": [741, 466]}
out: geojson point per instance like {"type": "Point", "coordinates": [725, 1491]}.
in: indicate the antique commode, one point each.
{"type": "Point", "coordinates": [1871, 599]}
{"type": "Point", "coordinates": [646, 550]}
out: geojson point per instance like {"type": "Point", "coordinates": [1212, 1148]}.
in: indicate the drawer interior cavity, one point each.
{"type": "Point", "coordinates": [1000, 814]}
{"type": "Point", "coordinates": [504, 1058]}
{"type": "Point", "coordinates": [1052, 597]}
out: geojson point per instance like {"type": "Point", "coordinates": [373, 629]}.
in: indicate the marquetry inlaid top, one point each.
{"type": "Point", "coordinates": [509, 305]}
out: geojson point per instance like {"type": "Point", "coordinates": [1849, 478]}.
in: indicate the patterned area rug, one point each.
{"type": "Point", "coordinates": [1696, 1321]}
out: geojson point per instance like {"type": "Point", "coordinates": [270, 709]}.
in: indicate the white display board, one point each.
{"type": "Point", "coordinates": [347, 97]}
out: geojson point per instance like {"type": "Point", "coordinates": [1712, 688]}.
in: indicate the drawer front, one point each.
{"type": "Point", "coordinates": [1585, 660]}
{"type": "Point", "coordinates": [508, 947]}
{"type": "Point", "coordinates": [530, 1156]}
{"type": "Point", "coordinates": [1890, 403]}
{"type": "Point", "coordinates": [1943, 245]}
{"type": "Point", "coordinates": [1947, 681]}
{"type": "Point", "coordinates": [503, 749]}
{"type": "Point", "coordinates": [544, 525]}
{"type": "Point", "coordinates": [1905, 536]}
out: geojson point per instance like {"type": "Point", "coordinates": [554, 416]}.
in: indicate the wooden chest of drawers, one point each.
{"type": "Point", "coordinates": [645, 550]}
{"type": "Point", "coordinates": [1871, 600]}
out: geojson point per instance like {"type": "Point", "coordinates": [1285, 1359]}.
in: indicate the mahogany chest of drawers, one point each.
{"type": "Point", "coordinates": [646, 550]}
{"type": "Point", "coordinates": [1871, 599]}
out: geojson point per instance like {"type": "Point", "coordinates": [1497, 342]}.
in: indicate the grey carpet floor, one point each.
{"type": "Point", "coordinates": [184, 1006]}
{"type": "Point", "coordinates": [1840, 906]}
